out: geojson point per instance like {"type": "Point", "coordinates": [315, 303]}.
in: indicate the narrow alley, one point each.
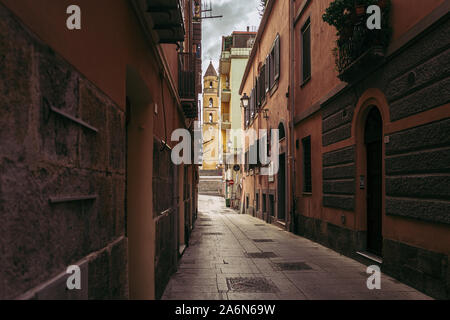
{"type": "Point", "coordinates": [235, 256]}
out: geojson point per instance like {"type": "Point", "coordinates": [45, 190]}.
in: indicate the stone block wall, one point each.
{"type": "Point", "coordinates": [46, 158]}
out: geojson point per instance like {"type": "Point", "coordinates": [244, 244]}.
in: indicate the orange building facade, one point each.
{"type": "Point", "coordinates": [266, 82]}
{"type": "Point", "coordinates": [370, 177]}
{"type": "Point", "coordinates": [89, 114]}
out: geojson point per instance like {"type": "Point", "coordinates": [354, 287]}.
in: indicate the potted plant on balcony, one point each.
{"type": "Point", "coordinates": [357, 47]}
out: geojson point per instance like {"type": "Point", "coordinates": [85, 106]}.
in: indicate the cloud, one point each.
{"type": "Point", "coordinates": [237, 15]}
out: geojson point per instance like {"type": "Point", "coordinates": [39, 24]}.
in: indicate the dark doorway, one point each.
{"type": "Point", "coordinates": [282, 188]}
{"type": "Point", "coordinates": [373, 139]}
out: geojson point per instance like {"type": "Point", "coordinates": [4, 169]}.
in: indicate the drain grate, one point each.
{"type": "Point", "coordinates": [260, 255]}
{"type": "Point", "coordinates": [259, 225]}
{"type": "Point", "coordinates": [262, 240]}
{"type": "Point", "coordinates": [212, 234]}
{"type": "Point", "coordinates": [204, 225]}
{"type": "Point", "coordinates": [260, 285]}
{"type": "Point", "coordinates": [205, 219]}
{"type": "Point", "coordinates": [291, 266]}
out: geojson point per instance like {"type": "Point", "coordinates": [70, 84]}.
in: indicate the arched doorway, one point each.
{"type": "Point", "coordinates": [373, 140]}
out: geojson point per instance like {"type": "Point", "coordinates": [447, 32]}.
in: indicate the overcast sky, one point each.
{"type": "Point", "coordinates": [237, 15]}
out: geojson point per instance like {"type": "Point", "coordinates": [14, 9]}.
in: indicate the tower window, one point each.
{"type": "Point", "coordinates": [210, 84]}
{"type": "Point", "coordinates": [211, 117]}
{"type": "Point", "coordinates": [210, 102]}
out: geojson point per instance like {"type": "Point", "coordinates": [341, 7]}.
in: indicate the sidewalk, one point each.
{"type": "Point", "coordinates": [236, 257]}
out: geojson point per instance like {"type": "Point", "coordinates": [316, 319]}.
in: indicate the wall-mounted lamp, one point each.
{"type": "Point", "coordinates": [265, 113]}
{"type": "Point", "coordinates": [244, 101]}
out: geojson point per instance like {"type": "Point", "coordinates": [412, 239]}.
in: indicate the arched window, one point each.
{"type": "Point", "coordinates": [210, 102]}
{"type": "Point", "coordinates": [211, 117]}
{"type": "Point", "coordinates": [210, 84]}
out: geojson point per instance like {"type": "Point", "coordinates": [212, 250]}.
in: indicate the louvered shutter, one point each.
{"type": "Point", "coordinates": [277, 59]}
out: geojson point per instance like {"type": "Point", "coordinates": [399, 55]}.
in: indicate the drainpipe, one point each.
{"type": "Point", "coordinates": [292, 111]}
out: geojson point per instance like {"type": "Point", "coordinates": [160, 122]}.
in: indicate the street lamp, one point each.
{"type": "Point", "coordinates": [244, 101]}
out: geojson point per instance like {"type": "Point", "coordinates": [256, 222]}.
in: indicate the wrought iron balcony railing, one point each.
{"type": "Point", "coordinates": [187, 83]}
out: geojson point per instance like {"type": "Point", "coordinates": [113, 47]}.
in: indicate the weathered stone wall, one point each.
{"type": "Point", "coordinates": [339, 179]}
{"type": "Point", "coordinates": [43, 156]}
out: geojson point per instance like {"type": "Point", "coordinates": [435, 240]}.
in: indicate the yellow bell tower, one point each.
{"type": "Point", "coordinates": [211, 137]}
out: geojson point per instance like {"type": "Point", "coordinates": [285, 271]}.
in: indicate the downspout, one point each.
{"type": "Point", "coordinates": [292, 111]}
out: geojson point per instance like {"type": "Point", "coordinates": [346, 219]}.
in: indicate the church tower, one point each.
{"type": "Point", "coordinates": [211, 137]}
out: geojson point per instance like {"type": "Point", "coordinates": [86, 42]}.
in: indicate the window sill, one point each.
{"type": "Point", "coordinates": [307, 194]}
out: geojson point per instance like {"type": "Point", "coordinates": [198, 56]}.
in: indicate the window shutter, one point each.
{"type": "Point", "coordinates": [306, 51]}
{"type": "Point", "coordinates": [258, 101]}
{"type": "Point", "coordinates": [267, 74]}
{"type": "Point", "coordinates": [262, 84]}
{"type": "Point", "coordinates": [277, 59]}
{"type": "Point", "coordinates": [253, 104]}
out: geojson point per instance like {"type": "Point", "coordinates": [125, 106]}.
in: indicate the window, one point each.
{"type": "Point", "coordinates": [211, 117]}
{"type": "Point", "coordinates": [307, 180]}
{"type": "Point", "coordinates": [264, 203]}
{"type": "Point", "coordinates": [210, 85]}
{"type": "Point", "coordinates": [257, 201]}
{"type": "Point", "coordinates": [282, 133]}
{"type": "Point", "coordinates": [272, 205]}
{"type": "Point", "coordinates": [306, 51]}
{"type": "Point", "coordinates": [274, 63]}
{"type": "Point", "coordinates": [210, 102]}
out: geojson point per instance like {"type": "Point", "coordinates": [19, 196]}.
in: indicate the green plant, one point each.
{"type": "Point", "coordinates": [354, 38]}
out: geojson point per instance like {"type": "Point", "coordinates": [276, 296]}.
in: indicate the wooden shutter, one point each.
{"type": "Point", "coordinates": [262, 84]}
{"type": "Point", "coordinates": [254, 103]}
{"type": "Point", "coordinates": [267, 74]}
{"type": "Point", "coordinates": [306, 52]}
{"type": "Point", "coordinates": [277, 59]}
{"type": "Point", "coordinates": [258, 101]}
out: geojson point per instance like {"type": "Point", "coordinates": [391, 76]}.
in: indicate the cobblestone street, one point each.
{"type": "Point", "coordinates": [238, 257]}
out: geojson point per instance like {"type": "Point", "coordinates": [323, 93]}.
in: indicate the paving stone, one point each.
{"type": "Point", "coordinates": [234, 246]}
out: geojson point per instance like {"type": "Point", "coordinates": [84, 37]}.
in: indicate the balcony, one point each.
{"type": "Point", "coordinates": [240, 52]}
{"type": "Point", "coordinates": [226, 121]}
{"type": "Point", "coordinates": [357, 55]}
{"type": "Point", "coordinates": [187, 84]}
{"type": "Point", "coordinates": [168, 19]}
{"type": "Point", "coordinates": [225, 62]}
{"type": "Point", "coordinates": [360, 49]}
{"type": "Point", "coordinates": [226, 94]}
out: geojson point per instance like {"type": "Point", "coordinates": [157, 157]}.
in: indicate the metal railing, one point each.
{"type": "Point", "coordinates": [240, 51]}
{"type": "Point", "coordinates": [349, 50]}
{"type": "Point", "coordinates": [186, 76]}
{"type": "Point", "coordinates": [226, 117]}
